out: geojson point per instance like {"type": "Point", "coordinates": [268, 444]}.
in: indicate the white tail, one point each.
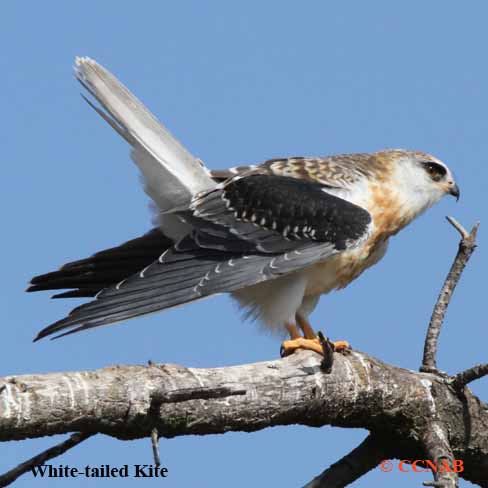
{"type": "Point", "coordinates": [171, 173]}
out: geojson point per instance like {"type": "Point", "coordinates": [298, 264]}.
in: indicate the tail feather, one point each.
{"type": "Point", "coordinates": [171, 173]}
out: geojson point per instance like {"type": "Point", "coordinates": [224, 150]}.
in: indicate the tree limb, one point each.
{"type": "Point", "coordinates": [466, 247]}
{"type": "Point", "coordinates": [155, 446]}
{"type": "Point", "coordinates": [409, 415]}
{"type": "Point", "coordinates": [467, 376]}
{"type": "Point", "coordinates": [352, 466]}
{"type": "Point", "coordinates": [10, 476]}
{"type": "Point", "coordinates": [438, 449]}
{"type": "Point", "coordinates": [360, 391]}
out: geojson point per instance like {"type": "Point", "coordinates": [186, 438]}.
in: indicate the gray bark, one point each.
{"type": "Point", "coordinates": [398, 406]}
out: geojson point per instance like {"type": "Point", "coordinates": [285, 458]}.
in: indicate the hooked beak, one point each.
{"type": "Point", "coordinates": [454, 191]}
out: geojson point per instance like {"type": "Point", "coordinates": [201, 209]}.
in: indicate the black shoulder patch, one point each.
{"type": "Point", "coordinates": [296, 209]}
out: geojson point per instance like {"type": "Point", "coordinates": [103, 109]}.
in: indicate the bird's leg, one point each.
{"type": "Point", "coordinates": [309, 333]}
{"type": "Point", "coordinates": [298, 342]}
{"type": "Point", "coordinates": [309, 340]}
{"type": "Point", "coordinates": [293, 331]}
{"type": "Point", "coordinates": [307, 329]}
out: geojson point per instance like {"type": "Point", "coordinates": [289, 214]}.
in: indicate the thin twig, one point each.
{"type": "Point", "coordinates": [352, 466]}
{"type": "Point", "coordinates": [155, 446]}
{"type": "Point", "coordinates": [10, 476]}
{"type": "Point", "coordinates": [462, 231]}
{"type": "Point", "coordinates": [476, 372]}
{"type": "Point", "coordinates": [466, 247]}
{"type": "Point", "coordinates": [328, 352]}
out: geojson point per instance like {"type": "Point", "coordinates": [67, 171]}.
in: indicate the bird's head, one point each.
{"type": "Point", "coordinates": [421, 178]}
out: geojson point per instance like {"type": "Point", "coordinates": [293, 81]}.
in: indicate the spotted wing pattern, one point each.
{"type": "Point", "coordinates": [337, 172]}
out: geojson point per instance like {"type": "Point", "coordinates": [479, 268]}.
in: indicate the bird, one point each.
{"type": "Point", "coordinates": [276, 235]}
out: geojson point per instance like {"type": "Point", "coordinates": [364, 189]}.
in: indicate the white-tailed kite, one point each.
{"type": "Point", "coordinates": [276, 235]}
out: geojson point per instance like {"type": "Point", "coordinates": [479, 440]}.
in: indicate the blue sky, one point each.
{"type": "Point", "coordinates": [237, 83]}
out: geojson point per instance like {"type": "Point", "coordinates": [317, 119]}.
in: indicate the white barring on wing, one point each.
{"type": "Point", "coordinates": [271, 264]}
{"type": "Point", "coordinates": [117, 286]}
{"type": "Point", "coordinates": [141, 274]}
{"type": "Point", "coordinates": [161, 258]}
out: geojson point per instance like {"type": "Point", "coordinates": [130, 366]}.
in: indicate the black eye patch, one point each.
{"type": "Point", "coordinates": [436, 171]}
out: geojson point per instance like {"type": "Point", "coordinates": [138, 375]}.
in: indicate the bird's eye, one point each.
{"type": "Point", "coordinates": [436, 171]}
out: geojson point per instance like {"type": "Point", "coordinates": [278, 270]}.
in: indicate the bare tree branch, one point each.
{"type": "Point", "coordinates": [155, 446]}
{"type": "Point", "coordinates": [466, 247]}
{"type": "Point", "coordinates": [409, 415]}
{"type": "Point", "coordinates": [469, 375]}
{"type": "Point", "coordinates": [438, 449]}
{"type": "Point", "coordinates": [352, 466]}
{"type": "Point", "coordinates": [10, 476]}
{"type": "Point", "coordinates": [360, 391]}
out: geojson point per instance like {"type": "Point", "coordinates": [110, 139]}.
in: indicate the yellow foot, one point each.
{"type": "Point", "coordinates": [341, 345]}
{"type": "Point", "coordinates": [289, 347]}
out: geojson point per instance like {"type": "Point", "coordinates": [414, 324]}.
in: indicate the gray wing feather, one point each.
{"type": "Point", "coordinates": [223, 253]}
{"type": "Point", "coordinates": [171, 283]}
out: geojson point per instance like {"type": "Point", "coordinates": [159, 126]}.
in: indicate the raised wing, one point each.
{"type": "Point", "coordinates": [245, 231]}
